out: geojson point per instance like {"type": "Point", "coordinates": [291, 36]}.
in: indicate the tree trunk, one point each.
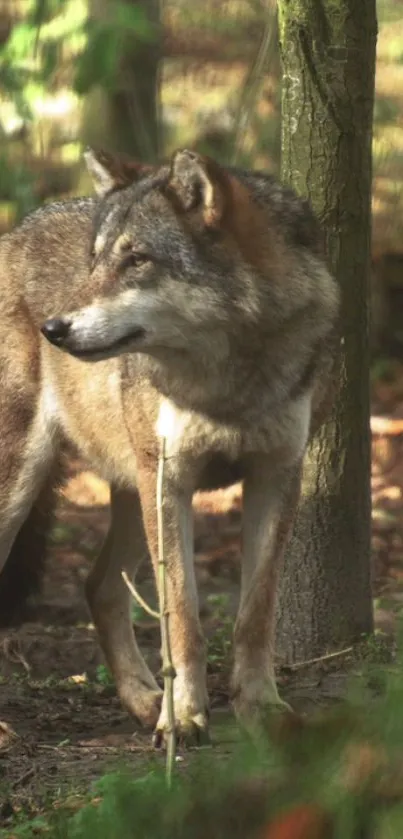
{"type": "Point", "coordinates": [328, 60]}
{"type": "Point", "coordinates": [126, 119]}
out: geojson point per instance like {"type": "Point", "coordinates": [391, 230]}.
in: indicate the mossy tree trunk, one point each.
{"type": "Point", "coordinates": [126, 118]}
{"type": "Point", "coordinates": [328, 61]}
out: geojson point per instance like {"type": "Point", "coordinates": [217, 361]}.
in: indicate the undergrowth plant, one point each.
{"type": "Point", "coordinates": [220, 642]}
{"type": "Point", "coordinates": [337, 775]}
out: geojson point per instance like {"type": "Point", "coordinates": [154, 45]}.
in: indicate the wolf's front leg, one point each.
{"type": "Point", "coordinates": [187, 642]}
{"type": "Point", "coordinates": [269, 503]}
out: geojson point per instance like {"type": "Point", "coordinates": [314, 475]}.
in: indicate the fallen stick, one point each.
{"type": "Point", "coordinates": [327, 657]}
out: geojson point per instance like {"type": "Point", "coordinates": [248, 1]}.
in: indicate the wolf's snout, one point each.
{"type": "Point", "coordinates": [56, 330]}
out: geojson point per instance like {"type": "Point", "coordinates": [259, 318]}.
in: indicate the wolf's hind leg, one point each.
{"type": "Point", "coordinates": [23, 573]}
{"type": "Point", "coordinates": [110, 603]}
{"type": "Point", "coordinates": [27, 454]}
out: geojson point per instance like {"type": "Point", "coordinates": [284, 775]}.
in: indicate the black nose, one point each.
{"type": "Point", "coordinates": [56, 330]}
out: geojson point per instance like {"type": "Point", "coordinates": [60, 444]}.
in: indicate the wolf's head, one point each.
{"type": "Point", "coordinates": [179, 257]}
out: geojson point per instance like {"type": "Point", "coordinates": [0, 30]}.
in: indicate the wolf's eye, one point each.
{"type": "Point", "coordinates": [135, 260]}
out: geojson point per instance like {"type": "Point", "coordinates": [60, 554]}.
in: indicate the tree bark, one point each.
{"type": "Point", "coordinates": [126, 119]}
{"type": "Point", "coordinates": [328, 60]}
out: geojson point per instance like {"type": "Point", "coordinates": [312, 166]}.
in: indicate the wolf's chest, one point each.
{"type": "Point", "coordinates": [190, 433]}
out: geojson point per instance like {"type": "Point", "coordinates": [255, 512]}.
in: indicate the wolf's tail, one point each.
{"type": "Point", "coordinates": [23, 573]}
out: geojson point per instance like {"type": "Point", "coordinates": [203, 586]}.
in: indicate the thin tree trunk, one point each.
{"type": "Point", "coordinates": [126, 119]}
{"type": "Point", "coordinates": [328, 60]}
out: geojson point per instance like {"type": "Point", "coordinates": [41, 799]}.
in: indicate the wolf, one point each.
{"type": "Point", "coordinates": [190, 302]}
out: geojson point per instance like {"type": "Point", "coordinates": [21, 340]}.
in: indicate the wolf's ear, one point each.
{"type": "Point", "coordinates": [198, 183]}
{"type": "Point", "coordinates": [110, 171]}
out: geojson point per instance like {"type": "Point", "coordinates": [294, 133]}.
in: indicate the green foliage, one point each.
{"type": "Point", "coordinates": [219, 645]}
{"type": "Point", "coordinates": [30, 56]}
{"type": "Point", "coordinates": [104, 676]}
{"type": "Point", "coordinates": [56, 53]}
{"type": "Point", "coordinates": [385, 110]}
{"type": "Point", "coordinates": [98, 63]}
{"type": "Point", "coordinates": [17, 184]}
{"type": "Point", "coordinates": [58, 31]}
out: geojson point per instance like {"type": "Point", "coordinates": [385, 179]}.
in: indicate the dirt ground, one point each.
{"type": "Point", "coordinates": [56, 695]}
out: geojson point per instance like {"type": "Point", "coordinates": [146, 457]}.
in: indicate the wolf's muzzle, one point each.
{"type": "Point", "coordinates": [56, 330]}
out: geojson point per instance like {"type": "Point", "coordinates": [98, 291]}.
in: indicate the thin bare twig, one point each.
{"type": "Point", "coordinates": [300, 664]}
{"type": "Point", "coordinates": [14, 654]}
{"type": "Point", "coordinates": [168, 670]}
{"type": "Point", "coordinates": [140, 600]}
{"type": "Point", "coordinates": [24, 777]}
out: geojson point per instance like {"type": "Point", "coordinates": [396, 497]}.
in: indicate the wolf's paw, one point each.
{"type": "Point", "coordinates": [256, 702]}
{"type": "Point", "coordinates": [191, 731]}
{"type": "Point", "coordinates": [190, 710]}
{"type": "Point", "coordinates": [246, 710]}
{"type": "Point", "coordinates": [142, 702]}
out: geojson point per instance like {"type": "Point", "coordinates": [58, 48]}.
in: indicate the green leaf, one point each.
{"type": "Point", "coordinates": [50, 55]}
{"type": "Point", "coordinates": [21, 42]}
{"type": "Point", "coordinates": [43, 10]}
{"type": "Point", "coordinates": [40, 12]}
{"type": "Point", "coordinates": [97, 65]}
{"type": "Point", "coordinates": [133, 19]}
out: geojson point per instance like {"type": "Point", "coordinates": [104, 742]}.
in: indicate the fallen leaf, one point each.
{"type": "Point", "coordinates": [303, 822]}
{"type": "Point", "coordinates": [7, 735]}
